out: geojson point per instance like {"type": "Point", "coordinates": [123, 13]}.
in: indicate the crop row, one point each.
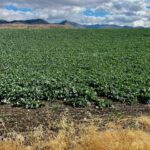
{"type": "Point", "coordinates": [79, 67]}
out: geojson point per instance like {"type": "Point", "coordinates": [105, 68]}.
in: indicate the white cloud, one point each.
{"type": "Point", "coordinates": [138, 23]}
{"type": "Point", "coordinates": [121, 12]}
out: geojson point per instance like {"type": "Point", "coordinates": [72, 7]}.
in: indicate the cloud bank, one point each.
{"type": "Point", "coordinates": [124, 12]}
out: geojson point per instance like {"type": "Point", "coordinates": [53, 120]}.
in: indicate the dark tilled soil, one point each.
{"type": "Point", "coordinates": [23, 120]}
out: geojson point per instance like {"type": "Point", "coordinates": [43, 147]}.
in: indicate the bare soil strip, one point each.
{"type": "Point", "coordinates": [26, 26]}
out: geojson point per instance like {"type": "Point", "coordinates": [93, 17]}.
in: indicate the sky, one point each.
{"type": "Point", "coordinates": [118, 12]}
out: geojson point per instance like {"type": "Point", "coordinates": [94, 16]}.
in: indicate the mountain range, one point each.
{"type": "Point", "coordinates": [95, 26]}
{"type": "Point", "coordinates": [64, 23]}
{"type": "Point", "coordinates": [30, 22]}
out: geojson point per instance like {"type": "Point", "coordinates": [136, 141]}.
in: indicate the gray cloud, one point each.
{"type": "Point", "coordinates": [125, 12]}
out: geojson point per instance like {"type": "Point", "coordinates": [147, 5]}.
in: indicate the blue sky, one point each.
{"type": "Point", "coordinates": [87, 12]}
{"type": "Point", "coordinates": [119, 12]}
{"type": "Point", "coordinates": [15, 8]}
{"type": "Point", "coordinates": [96, 13]}
{"type": "Point", "coordinates": [148, 7]}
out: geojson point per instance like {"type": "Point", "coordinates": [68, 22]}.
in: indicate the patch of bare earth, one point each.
{"type": "Point", "coordinates": [60, 127]}
{"type": "Point", "coordinates": [22, 120]}
{"type": "Point", "coordinates": [26, 26]}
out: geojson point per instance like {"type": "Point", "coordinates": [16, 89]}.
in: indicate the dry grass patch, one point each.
{"type": "Point", "coordinates": [144, 120]}
{"type": "Point", "coordinates": [83, 137]}
{"type": "Point", "coordinates": [114, 140]}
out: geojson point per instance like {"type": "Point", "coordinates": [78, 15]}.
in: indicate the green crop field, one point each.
{"type": "Point", "coordinates": [78, 67]}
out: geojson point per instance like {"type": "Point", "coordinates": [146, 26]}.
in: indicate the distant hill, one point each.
{"type": "Point", "coordinates": [3, 22]}
{"type": "Point", "coordinates": [30, 22]}
{"type": "Point", "coordinates": [95, 26]}
{"type": "Point", "coordinates": [64, 23]}
{"type": "Point", "coordinates": [71, 24]}
{"type": "Point", "coordinates": [106, 26]}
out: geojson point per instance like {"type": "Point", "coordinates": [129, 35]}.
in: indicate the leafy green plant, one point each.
{"type": "Point", "coordinates": [28, 104]}
{"type": "Point", "coordinates": [77, 65]}
{"type": "Point", "coordinates": [77, 102]}
{"type": "Point", "coordinates": [103, 103]}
